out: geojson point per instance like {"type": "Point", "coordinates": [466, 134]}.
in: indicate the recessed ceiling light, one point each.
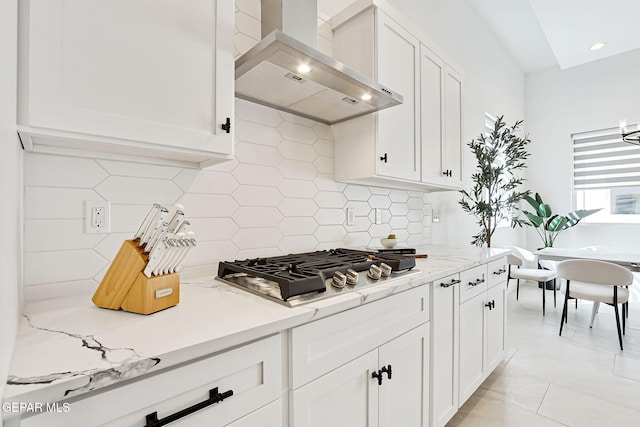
{"type": "Point", "coordinates": [597, 46]}
{"type": "Point", "coordinates": [304, 68]}
{"type": "Point", "coordinates": [366, 97]}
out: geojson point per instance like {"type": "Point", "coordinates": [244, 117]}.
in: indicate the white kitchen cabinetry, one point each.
{"type": "Point", "coordinates": [482, 325]}
{"type": "Point", "coordinates": [144, 80]}
{"type": "Point", "coordinates": [364, 367]}
{"type": "Point", "coordinates": [383, 147]}
{"type": "Point", "coordinates": [444, 346]}
{"type": "Point", "coordinates": [252, 372]}
{"type": "Point", "coordinates": [417, 144]}
{"type": "Point", "coordinates": [441, 102]}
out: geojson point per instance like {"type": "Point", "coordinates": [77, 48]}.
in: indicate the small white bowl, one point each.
{"type": "Point", "coordinates": [389, 243]}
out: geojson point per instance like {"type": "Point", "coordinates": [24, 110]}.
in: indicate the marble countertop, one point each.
{"type": "Point", "coordinates": [66, 347]}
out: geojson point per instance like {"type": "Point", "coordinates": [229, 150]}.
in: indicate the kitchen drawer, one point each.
{"type": "Point", "coordinates": [321, 346]}
{"type": "Point", "coordinates": [498, 270]}
{"type": "Point", "coordinates": [252, 371]}
{"type": "Point", "coordinates": [473, 282]}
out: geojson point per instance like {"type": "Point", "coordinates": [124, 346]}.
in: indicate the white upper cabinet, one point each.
{"type": "Point", "coordinates": [415, 145]}
{"type": "Point", "coordinates": [118, 78]}
{"type": "Point", "coordinates": [441, 101]}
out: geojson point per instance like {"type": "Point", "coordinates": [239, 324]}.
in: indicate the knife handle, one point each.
{"type": "Point", "coordinates": [146, 221]}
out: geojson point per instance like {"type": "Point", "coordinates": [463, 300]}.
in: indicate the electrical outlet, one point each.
{"type": "Point", "coordinates": [378, 216]}
{"type": "Point", "coordinates": [97, 217]}
{"type": "Point", "coordinates": [435, 215]}
{"type": "Point", "coordinates": [351, 217]}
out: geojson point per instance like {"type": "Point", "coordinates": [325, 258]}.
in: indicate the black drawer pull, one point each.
{"type": "Point", "coordinates": [386, 369]}
{"type": "Point", "coordinates": [499, 272]}
{"type": "Point", "coordinates": [491, 304]}
{"type": "Point", "coordinates": [451, 283]}
{"type": "Point", "coordinates": [476, 283]}
{"type": "Point", "coordinates": [214, 397]}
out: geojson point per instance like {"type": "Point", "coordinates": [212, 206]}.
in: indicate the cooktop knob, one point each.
{"type": "Point", "coordinates": [352, 277]}
{"type": "Point", "coordinates": [386, 269]}
{"type": "Point", "coordinates": [339, 280]}
{"type": "Point", "coordinates": [374, 272]}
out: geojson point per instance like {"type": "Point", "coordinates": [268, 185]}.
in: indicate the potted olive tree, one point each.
{"type": "Point", "coordinates": [494, 196]}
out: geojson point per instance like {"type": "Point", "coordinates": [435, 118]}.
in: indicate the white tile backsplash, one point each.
{"type": "Point", "coordinates": [277, 196]}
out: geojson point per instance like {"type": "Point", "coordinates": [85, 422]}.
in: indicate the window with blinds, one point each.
{"type": "Point", "coordinates": [606, 174]}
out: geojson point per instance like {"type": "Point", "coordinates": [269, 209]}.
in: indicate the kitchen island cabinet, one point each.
{"type": "Point", "coordinates": [155, 83]}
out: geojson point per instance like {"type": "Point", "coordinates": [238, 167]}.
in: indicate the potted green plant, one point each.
{"type": "Point", "coordinates": [549, 225]}
{"type": "Point", "coordinates": [495, 195]}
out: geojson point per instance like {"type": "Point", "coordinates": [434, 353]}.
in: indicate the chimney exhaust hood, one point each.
{"type": "Point", "coordinates": [284, 73]}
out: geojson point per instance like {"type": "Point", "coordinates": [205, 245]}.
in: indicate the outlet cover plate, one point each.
{"type": "Point", "coordinates": [97, 216]}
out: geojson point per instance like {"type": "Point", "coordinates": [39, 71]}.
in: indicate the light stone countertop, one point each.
{"type": "Point", "coordinates": [67, 346]}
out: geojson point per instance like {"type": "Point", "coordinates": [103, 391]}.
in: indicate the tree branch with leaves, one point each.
{"type": "Point", "coordinates": [494, 196]}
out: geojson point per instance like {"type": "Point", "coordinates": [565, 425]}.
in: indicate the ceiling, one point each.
{"type": "Point", "coordinates": [545, 33]}
{"type": "Point", "coordinates": [548, 33]}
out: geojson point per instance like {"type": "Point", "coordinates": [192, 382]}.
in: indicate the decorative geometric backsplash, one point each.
{"type": "Point", "coordinates": [277, 196]}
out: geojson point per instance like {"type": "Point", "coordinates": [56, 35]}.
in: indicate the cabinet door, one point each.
{"type": "Point", "coordinates": [404, 398]}
{"type": "Point", "coordinates": [453, 128]}
{"type": "Point", "coordinates": [345, 397]}
{"type": "Point", "coordinates": [268, 416]}
{"type": "Point", "coordinates": [130, 75]}
{"type": "Point", "coordinates": [444, 347]}
{"type": "Point", "coordinates": [472, 327]}
{"type": "Point", "coordinates": [399, 127]}
{"type": "Point", "coordinates": [432, 125]}
{"type": "Point", "coordinates": [496, 321]}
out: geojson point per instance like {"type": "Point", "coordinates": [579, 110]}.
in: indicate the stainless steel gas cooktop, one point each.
{"type": "Point", "coordinates": [297, 279]}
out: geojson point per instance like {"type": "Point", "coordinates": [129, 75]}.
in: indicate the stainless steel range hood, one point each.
{"type": "Point", "coordinates": [284, 73]}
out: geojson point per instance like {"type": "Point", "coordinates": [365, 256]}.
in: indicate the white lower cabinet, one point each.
{"type": "Point", "coordinates": [368, 366]}
{"type": "Point", "coordinates": [252, 372]}
{"type": "Point", "coordinates": [482, 333]}
{"type": "Point", "coordinates": [384, 387]}
{"type": "Point", "coordinates": [444, 347]}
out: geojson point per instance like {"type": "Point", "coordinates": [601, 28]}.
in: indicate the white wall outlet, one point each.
{"type": "Point", "coordinates": [97, 217]}
{"type": "Point", "coordinates": [435, 215]}
{"type": "Point", "coordinates": [378, 216]}
{"type": "Point", "coordinates": [351, 217]}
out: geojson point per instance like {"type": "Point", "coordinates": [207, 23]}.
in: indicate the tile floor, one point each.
{"type": "Point", "coordinates": [579, 379]}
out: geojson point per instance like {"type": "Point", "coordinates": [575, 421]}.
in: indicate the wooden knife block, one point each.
{"type": "Point", "coordinates": [126, 287]}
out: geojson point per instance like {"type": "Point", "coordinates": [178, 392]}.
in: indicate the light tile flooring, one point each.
{"type": "Point", "coordinates": [579, 379]}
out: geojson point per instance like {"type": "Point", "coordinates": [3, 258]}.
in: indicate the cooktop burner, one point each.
{"type": "Point", "coordinates": [297, 278]}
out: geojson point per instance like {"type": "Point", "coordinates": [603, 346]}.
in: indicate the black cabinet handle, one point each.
{"type": "Point", "coordinates": [499, 272]}
{"type": "Point", "coordinates": [386, 369]}
{"type": "Point", "coordinates": [476, 283]}
{"type": "Point", "coordinates": [214, 397]}
{"type": "Point", "coordinates": [451, 283]}
{"type": "Point", "coordinates": [491, 304]}
{"type": "Point", "coordinates": [378, 375]}
{"type": "Point", "coordinates": [448, 173]}
{"type": "Point", "coordinates": [384, 158]}
{"type": "Point", "coordinates": [226, 126]}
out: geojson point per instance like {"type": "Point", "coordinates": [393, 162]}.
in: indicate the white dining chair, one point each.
{"type": "Point", "coordinates": [517, 259]}
{"type": "Point", "coordinates": [597, 281]}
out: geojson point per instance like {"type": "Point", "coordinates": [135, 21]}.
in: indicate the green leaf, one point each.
{"type": "Point", "coordinates": [574, 217]}
{"type": "Point", "coordinates": [538, 198]}
{"type": "Point", "coordinates": [557, 223]}
{"type": "Point", "coordinates": [532, 202]}
{"type": "Point", "coordinates": [544, 210]}
{"type": "Point", "coordinates": [536, 221]}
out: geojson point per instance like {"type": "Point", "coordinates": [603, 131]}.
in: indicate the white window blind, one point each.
{"type": "Point", "coordinates": [602, 160]}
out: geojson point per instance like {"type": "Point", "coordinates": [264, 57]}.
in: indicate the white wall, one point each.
{"type": "Point", "coordinates": [558, 103]}
{"type": "Point", "coordinates": [10, 189]}
{"type": "Point", "coordinates": [277, 196]}
{"type": "Point", "coordinates": [492, 83]}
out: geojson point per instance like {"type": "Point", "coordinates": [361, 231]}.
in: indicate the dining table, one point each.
{"type": "Point", "coordinates": [628, 259]}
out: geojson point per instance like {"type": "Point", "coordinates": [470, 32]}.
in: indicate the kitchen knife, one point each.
{"type": "Point", "coordinates": [155, 257]}
{"type": "Point", "coordinates": [146, 221]}
{"type": "Point", "coordinates": [166, 256]}
{"type": "Point", "coordinates": [176, 246]}
{"type": "Point", "coordinates": [191, 242]}
{"type": "Point", "coordinates": [160, 234]}
{"type": "Point", "coordinates": [182, 227]}
{"type": "Point", "coordinates": [154, 224]}
{"type": "Point", "coordinates": [176, 220]}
